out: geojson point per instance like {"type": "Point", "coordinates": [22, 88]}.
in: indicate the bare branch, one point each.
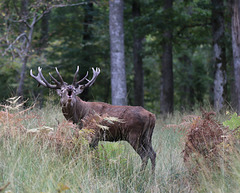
{"type": "Point", "coordinates": [26, 23]}
{"type": "Point", "coordinates": [11, 45]}
{"type": "Point", "coordinates": [20, 21]}
{"type": "Point", "coordinates": [59, 6]}
{"type": "Point", "coordinates": [19, 52]}
{"type": "Point", "coordinates": [16, 9]}
{"type": "Point", "coordinates": [35, 20]}
{"type": "Point", "coordinates": [43, 14]}
{"type": "Point", "coordinates": [70, 5]}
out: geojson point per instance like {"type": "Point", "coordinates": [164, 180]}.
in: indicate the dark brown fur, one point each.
{"type": "Point", "coordinates": [137, 123]}
{"type": "Point", "coordinates": [136, 127]}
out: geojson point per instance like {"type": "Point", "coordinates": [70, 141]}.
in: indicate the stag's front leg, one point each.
{"type": "Point", "coordinates": [94, 140]}
{"type": "Point", "coordinates": [93, 145]}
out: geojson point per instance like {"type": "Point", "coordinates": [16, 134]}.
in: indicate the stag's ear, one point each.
{"type": "Point", "coordinates": [59, 92]}
{"type": "Point", "coordinates": [79, 89]}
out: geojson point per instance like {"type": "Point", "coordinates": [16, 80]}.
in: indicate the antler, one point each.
{"type": "Point", "coordinates": [42, 81]}
{"type": "Point", "coordinates": [75, 77]}
{"type": "Point", "coordinates": [90, 82]}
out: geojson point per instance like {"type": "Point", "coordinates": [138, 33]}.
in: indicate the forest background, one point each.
{"type": "Point", "coordinates": [176, 55]}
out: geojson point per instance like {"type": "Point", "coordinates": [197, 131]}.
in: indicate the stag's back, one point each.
{"type": "Point", "coordinates": [135, 120]}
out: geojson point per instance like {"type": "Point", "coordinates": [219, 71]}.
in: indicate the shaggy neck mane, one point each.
{"type": "Point", "coordinates": [75, 112]}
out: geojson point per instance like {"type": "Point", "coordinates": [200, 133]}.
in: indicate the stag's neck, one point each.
{"type": "Point", "coordinates": [75, 112]}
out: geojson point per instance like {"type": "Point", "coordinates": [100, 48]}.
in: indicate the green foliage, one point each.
{"type": "Point", "coordinates": [233, 124]}
{"type": "Point", "coordinates": [71, 45]}
{"type": "Point", "coordinates": [79, 35]}
{"type": "Point", "coordinates": [193, 77]}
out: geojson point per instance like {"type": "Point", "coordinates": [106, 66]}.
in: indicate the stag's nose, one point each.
{"type": "Point", "coordinates": [70, 91]}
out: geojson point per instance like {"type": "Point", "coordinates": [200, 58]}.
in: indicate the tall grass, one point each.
{"type": "Point", "coordinates": [31, 165]}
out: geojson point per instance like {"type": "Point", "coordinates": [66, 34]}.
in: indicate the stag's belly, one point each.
{"type": "Point", "coordinates": [118, 131]}
{"type": "Point", "coordinates": [113, 133]}
{"type": "Point", "coordinates": [131, 121]}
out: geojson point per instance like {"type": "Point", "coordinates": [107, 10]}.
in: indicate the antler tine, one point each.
{"type": "Point", "coordinates": [84, 78]}
{"type": "Point", "coordinates": [38, 79]}
{"type": "Point", "coordinates": [61, 79]}
{"type": "Point", "coordinates": [42, 81]}
{"type": "Point", "coordinates": [95, 75]}
{"type": "Point", "coordinates": [46, 82]}
{"type": "Point", "coordinates": [54, 79]}
{"type": "Point", "coordinates": [75, 76]}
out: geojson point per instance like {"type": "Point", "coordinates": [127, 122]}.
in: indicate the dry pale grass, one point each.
{"type": "Point", "coordinates": [206, 141]}
{"type": "Point", "coordinates": [66, 135]}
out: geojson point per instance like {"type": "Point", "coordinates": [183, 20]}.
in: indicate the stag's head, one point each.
{"type": "Point", "coordinates": [67, 92]}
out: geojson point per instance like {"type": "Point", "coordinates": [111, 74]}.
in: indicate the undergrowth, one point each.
{"type": "Point", "coordinates": [40, 154]}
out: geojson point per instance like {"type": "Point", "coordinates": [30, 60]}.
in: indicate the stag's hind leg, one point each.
{"type": "Point", "coordinates": [147, 142]}
{"type": "Point", "coordinates": [143, 146]}
{"type": "Point", "coordinates": [148, 151]}
{"type": "Point", "coordinates": [141, 151]}
{"type": "Point", "coordinates": [143, 155]}
{"type": "Point", "coordinates": [152, 155]}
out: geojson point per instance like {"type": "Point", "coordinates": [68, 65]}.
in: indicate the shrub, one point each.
{"type": "Point", "coordinates": [205, 142]}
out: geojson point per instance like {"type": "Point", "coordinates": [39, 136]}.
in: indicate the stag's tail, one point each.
{"type": "Point", "coordinates": [152, 122]}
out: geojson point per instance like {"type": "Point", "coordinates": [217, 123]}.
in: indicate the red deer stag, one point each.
{"type": "Point", "coordinates": [136, 128]}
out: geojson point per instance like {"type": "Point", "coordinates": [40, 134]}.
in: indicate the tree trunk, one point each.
{"type": "Point", "coordinates": [235, 4]}
{"type": "Point", "coordinates": [219, 54]}
{"type": "Point", "coordinates": [233, 94]}
{"type": "Point", "coordinates": [166, 97]}
{"type": "Point", "coordinates": [24, 58]}
{"type": "Point", "coordinates": [137, 58]}
{"type": "Point", "coordinates": [22, 77]}
{"type": "Point", "coordinates": [118, 74]}
{"type": "Point", "coordinates": [87, 36]}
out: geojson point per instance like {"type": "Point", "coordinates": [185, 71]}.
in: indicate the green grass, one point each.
{"type": "Point", "coordinates": [32, 166]}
